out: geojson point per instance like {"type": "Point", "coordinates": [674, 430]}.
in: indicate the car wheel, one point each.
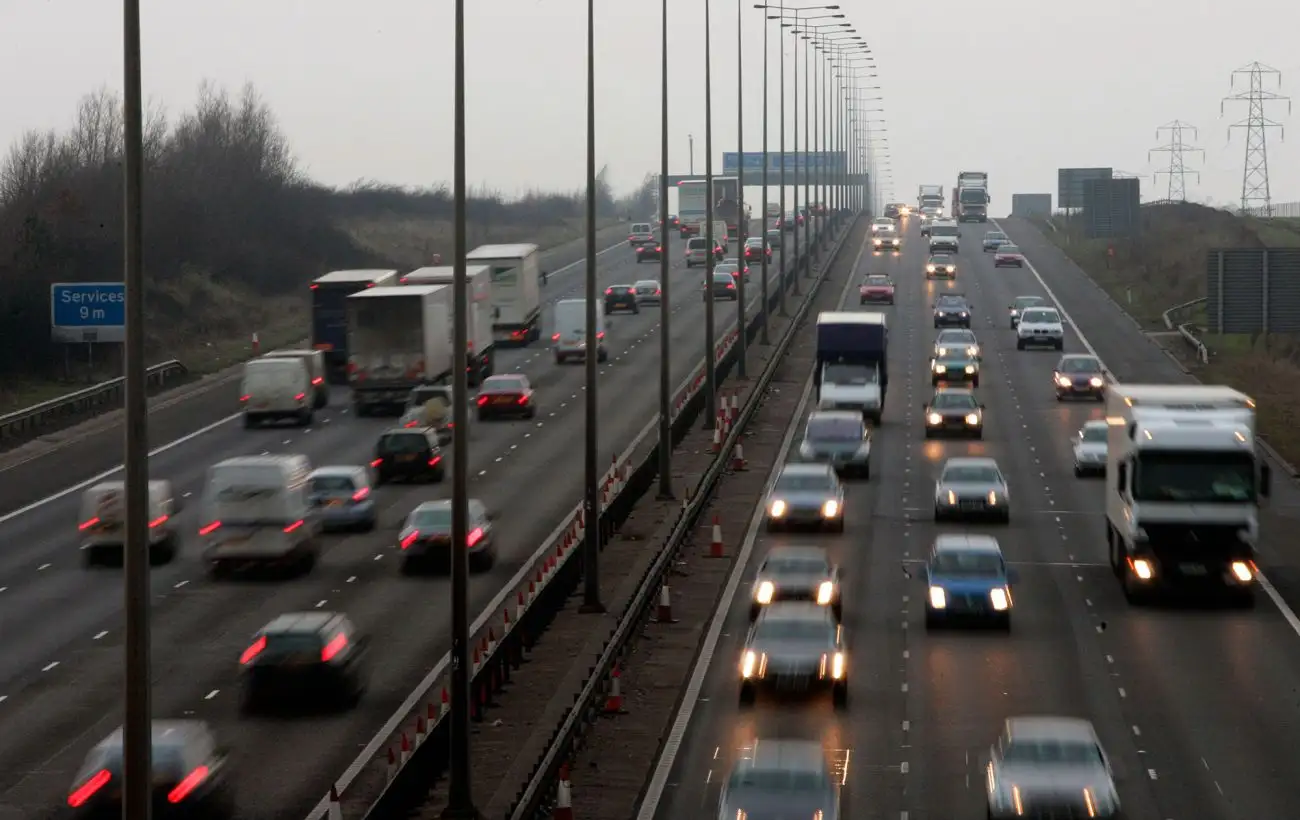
{"type": "Point", "coordinates": [531, 413]}
{"type": "Point", "coordinates": [1005, 518]}
{"type": "Point", "coordinates": [773, 526]}
{"type": "Point", "coordinates": [938, 516]}
{"type": "Point", "coordinates": [1078, 471]}
{"type": "Point", "coordinates": [249, 422]}
{"type": "Point", "coordinates": [928, 433]}
{"type": "Point", "coordinates": [840, 696]}
{"type": "Point", "coordinates": [1020, 344]}
{"type": "Point", "coordinates": [978, 435]}
{"type": "Point", "coordinates": [482, 416]}
{"type": "Point", "coordinates": [974, 382]}
{"type": "Point", "coordinates": [559, 358]}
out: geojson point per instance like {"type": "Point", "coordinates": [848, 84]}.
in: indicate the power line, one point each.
{"type": "Point", "coordinates": [1256, 198]}
{"type": "Point", "coordinates": [1176, 149]}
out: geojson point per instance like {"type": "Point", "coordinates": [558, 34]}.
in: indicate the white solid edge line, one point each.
{"type": "Point", "coordinates": [188, 437]}
{"type": "Point", "coordinates": [1288, 614]}
{"type": "Point", "coordinates": [704, 661]}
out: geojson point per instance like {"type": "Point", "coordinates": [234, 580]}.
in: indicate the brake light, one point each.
{"type": "Point", "coordinates": [600, 335]}
{"type": "Point", "coordinates": [370, 284]}
{"type": "Point", "coordinates": [300, 397]}
{"type": "Point", "coordinates": [317, 381]}
{"type": "Point", "coordinates": [295, 525]}
{"type": "Point", "coordinates": [410, 539]}
{"type": "Point", "coordinates": [88, 524]}
{"type": "Point", "coordinates": [313, 287]}
{"type": "Point", "coordinates": [376, 462]}
{"type": "Point", "coordinates": [410, 424]}
{"type": "Point", "coordinates": [159, 521]}
{"type": "Point", "coordinates": [660, 248]}
{"type": "Point", "coordinates": [253, 651]}
{"type": "Point", "coordinates": [555, 337]}
{"type": "Point", "coordinates": [361, 494]}
{"type": "Point", "coordinates": [609, 291]}
{"type": "Point", "coordinates": [189, 784]}
{"type": "Point", "coordinates": [210, 528]}
{"type": "Point", "coordinates": [244, 399]}
{"type": "Point", "coordinates": [335, 646]}
{"type": "Point", "coordinates": [475, 535]}
{"type": "Point", "coordinates": [731, 286]}
{"type": "Point", "coordinates": [482, 400]}
{"type": "Point", "coordinates": [352, 367]}
{"type": "Point", "coordinates": [433, 462]}
{"type": "Point", "coordinates": [658, 292]}
{"type": "Point", "coordinates": [87, 790]}
{"type": "Point", "coordinates": [523, 399]}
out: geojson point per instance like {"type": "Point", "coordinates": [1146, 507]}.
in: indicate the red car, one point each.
{"type": "Point", "coordinates": [876, 288]}
{"type": "Point", "coordinates": [509, 396]}
{"type": "Point", "coordinates": [1008, 256]}
{"type": "Point", "coordinates": [753, 249]}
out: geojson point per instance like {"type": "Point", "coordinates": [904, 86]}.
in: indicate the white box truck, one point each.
{"type": "Point", "coordinates": [516, 292]}
{"type": "Point", "coordinates": [1184, 482]}
{"type": "Point", "coordinates": [398, 338]}
{"type": "Point", "coordinates": [482, 349]}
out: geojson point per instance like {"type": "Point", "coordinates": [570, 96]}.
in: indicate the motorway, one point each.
{"type": "Point", "coordinates": [1197, 708]}
{"type": "Point", "coordinates": [61, 669]}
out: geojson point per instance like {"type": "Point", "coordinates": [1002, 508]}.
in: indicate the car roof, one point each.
{"type": "Point", "coordinates": [959, 391]}
{"type": "Point", "coordinates": [404, 431]}
{"type": "Point", "coordinates": [163, 733]}
{"type": "Point", "coordinates": [836, 415]}
{"type": "Point", "coordinates": [1031, 296]}
{"type": "Point", "coordinates": [341, 470]}
{"type": "Point", "coordinates": [1069, 356]}
{"type": "Point", "coordinates": [784, 756]}
{"type": "Point", "coordinates": [796, 611]}
{"type": "Point", "coordinates": [654, 282]}
{"type": "Point", "coordinates": [798, 551]}
{"type": "Point", "coordinates": [1093, 424]}
{"type": "Point", "coordinates": [955, 331]}
{"type": "Point", "coordinates": [806, 469]}
{"type": "Point", "coordinates": [1050, 727]}
{"type": "Point", "coordinates": [971, 461]}
{"type": "Point", "coordinates": [995, 233]}
{"type": "Point", "coordinates": [963, 542]}
{"type": "Point", "coordinates": [300, 622]}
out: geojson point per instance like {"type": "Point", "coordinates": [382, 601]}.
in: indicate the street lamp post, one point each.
{"type": "Point", "coordinates": [665, 269]}
{"type": "Point", "coordinates": [742, 222]}
{"type": "Point", "coordinates": [710, 366]}
{"type": "Point", "coordinates": [591, 603]}
{"type": "Point", "coordinates": [763, 339]}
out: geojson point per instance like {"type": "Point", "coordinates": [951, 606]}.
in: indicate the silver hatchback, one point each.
{"type": "Point", "coordinates": [809, 495]}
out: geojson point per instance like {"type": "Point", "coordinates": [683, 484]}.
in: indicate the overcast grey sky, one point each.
{"type": "Point", "coordinates": [1016, 88]}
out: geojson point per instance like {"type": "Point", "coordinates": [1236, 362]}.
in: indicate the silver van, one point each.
{"type": "Point", "coordinates": [315, 361]}
{"type": "Point", "coordinates": [570, 338]}
{"type": "Point", "coordinates": [697, 250]}
{"type": "Point", "coordinates": [103, 523]}
{"type": "Point", "coordinates": [257, 510]}
{"type": "Point", "coordinates": [275, 389]}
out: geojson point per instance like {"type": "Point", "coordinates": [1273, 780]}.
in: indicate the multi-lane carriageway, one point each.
{"type": "Point", "coordinates": [60, 624]}
{"type": "Point", "coordinates": [1198, 708]}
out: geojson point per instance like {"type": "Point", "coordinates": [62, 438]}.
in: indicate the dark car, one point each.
{"type": "Point", "coordinates": [649, 253]}
{"type": "Point", "coordinates": [506, 396]}
{"type": "Point", "coordinates": [190, 778]}
{"type": "Point", "coordinates": [795, 648]}
{"type": "Point", "coordinates": [1008, 256]}
{"type": "Point", "coordinates": [952, 310]}
{"type": "Point", "coordinates": [411, 454]}
{"type": "Point", "coordinates": [955, 369]}
{"type": "Point", "coordinates": [620, 297]}
{"type": "Point", "coordinates": [774, 239]}
{"type": "Point", "coordinates": [723, 287]}
{"type": "Point", "coordinates": [756, 249]}
{"type": "Point", "coordinates": [425, 539]}
{"type": "Point", "coordinates": [299, 655]}
{"type": "Point", "coordinates": [953, 411]}
{"type": "Point", "coordinates": [892, 211]}
{"type": "Point", "coordinates": [1081, 376]}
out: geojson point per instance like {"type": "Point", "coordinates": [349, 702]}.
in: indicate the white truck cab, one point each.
{"type": "Point", "coordinates": [1184, 482]}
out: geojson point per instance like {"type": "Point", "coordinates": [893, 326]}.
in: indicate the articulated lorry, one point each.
{"type": "Point", "coordinates": [481, 347]}
{"type": "Point", "coordinates": [970, 199]}
{"type": "Point", "coordinates": [851, 371]}
{"type": "Point", "coordinates": [516, 292]}
{"type": "Point", "coordinates": [1184, 482]}
{"type": "Point", "coordinates": [329, 314]}
{"type": "Point", "coordinates": [398, 338]}
{"type": "Point", "coordinates": [930, 196]}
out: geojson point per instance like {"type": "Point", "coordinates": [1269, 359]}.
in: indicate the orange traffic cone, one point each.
{"type": "Point", "coordinates": [715, 545]}
{"type": "Point", "coordinates": [738, 462]}
{"type": "Point", "coordinates": [664, 612]}
{"type": "Point", "coordinates": [614, 700]}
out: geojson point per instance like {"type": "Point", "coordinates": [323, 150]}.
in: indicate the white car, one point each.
{"type": "Point", "coordinates": [884, 223]}
{"type": "Point", "coordinates": [956, 342]}
{"type": "Point", "coordinates": [886, 240]}
{"type": "Point", "coordinates": [1090, 449]}
{"type": "Point", "coordinates": [1041, 327]}
{"type": "Point", "coordinates": [648, 292]}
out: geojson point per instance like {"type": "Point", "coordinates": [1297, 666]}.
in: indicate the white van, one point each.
{"type": "Point", "coordinates": [257, 510]}
{"type": "Point", "coordinates": [570, 338]}
{"type": "Point", "coordinates": [276, 389]}
{"type": "Point", "coordinates": [103, 523]}
{"type": "Point", "coordinates": [697, 250]}
{"type": "Point", "coordinates": [315, 361]}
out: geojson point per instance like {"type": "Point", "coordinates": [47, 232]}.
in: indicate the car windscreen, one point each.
{"type": "Point", "coordinates": [850, 374]}
{"type": "Point", "coordinates": [878, 281]}
{"type": "Point", "coordinates": [1027, 302]}
{"type": "Point", "coordinates": [796, 565]}
{"type": "Point", "coordinates": [1095, 435]}
{"type": "Point", "coordinates": [797, 482]}
{"type": "Point", "coordinates": [398, 444]}
{"type": "Point", "coordinates": [793, 629]}
{"type": "Point", "coordinates": [966, 474]}
{"type": "Point", "coordinates": [953, 401]}
{"type": "Point", "coordinates": [1008, 249]}
{"type": "Point", "coordinates": [435, 520]}
{"type": "Point", "coordinates": [1049, 752]}
{"type": "Point", "coordinates": [1040, 316]}
{"type": "Point", "coordinates": [956, 302]}
{"type": "Point", "coordinates": [962, 562]}
{"type": "Point", "coordinates": [951, 338]}
{"type": "Point", "coordinates": [332, 484]}
{"type": "Point", "coordinates": [835, 429]}
{"type": "Point", "coordinates": [293, 642]}
{"type": "Point", "coordinates": [783, 781]}
{"type": "Point", "coordinates": [940, 260]}
{"type": "Point", "coordinates": [167, 758]}
{"type": "Point", "coordinates": [943, 230]}
{"type": "Point", "coordinates": [1080, 366]}
{"type": "Point", "coordinates": [503, 384]}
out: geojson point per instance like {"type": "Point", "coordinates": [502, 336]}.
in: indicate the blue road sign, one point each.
{"type": "Point", "coordinates": [88, 311]}
{"type": "Point", "coordinates": [829, 161]}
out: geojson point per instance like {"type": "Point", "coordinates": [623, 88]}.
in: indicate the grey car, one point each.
{"type": "Point", "coordinates": [1079, 375]}
{"type": "Point", "coordinates": [438, 415]}
{"type": "Point", "coordinates": [1021, 304]}
{"type": "Point", "coordinates": [793, 649]}
{"type": "Point", "coordinates": [344, 498]}
{"type": "Point", "coordinates": [838, 438]}
{"type": "Point", "coordinates": [781, 778]}
{"type": "Point", "coordinates": [648, 292]}
{"type": "Point", "coordinates": [796, 574]}
{"type": "Point", "coordinates": [1090, 449]}
{"type": "Point", "coordinates": [952, 310]}
{"type": "Point", "coordinates": [953, 411]}
{"type": "Point", "coordinates": [425, 538]}
{"type": "Point", "coordinates": [723, 287]}
{"type": "Point", "coordinates": [1046, 766]}
{"type": "Point", "coordinates": [956, 342]}
{"type": "Point", "coordinates": [994, 240]}
{"type": "Point", "coordinates": [971, 488]}
{"type": "Point", "coordinates": [806, 495]}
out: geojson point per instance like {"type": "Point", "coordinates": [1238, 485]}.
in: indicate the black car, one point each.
{"type": "Point", "coordinates": [649, 253]}
{"type": "Point", "coordinates": [190, 777]}
{"type": "Point", "coordinates": [953, 411]}
{"type": "Point", "coordinates": [300, 654]}
{"type": "Point", "coordinates": [955, 370]}
{"type": "Point", "coordinates": [892, 211]}
{"type": "Point", "coordinates": [952, 310]}
{"type": "Point", "coordinates": [620, 297]}
{"type": "Point", "coordinates": [409, 454]}
{"type": "Point", "coordinates": [1079, 375]}
{"type": "Point", "coordinates": [723, 287]}
{"type": "Point", "coordinates": [509, 395]}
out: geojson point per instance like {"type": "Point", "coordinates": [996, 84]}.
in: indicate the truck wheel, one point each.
{"type": "Point", "coordinates": [559, 358]}
{"type": "Point", "coordinates": [602, 356]}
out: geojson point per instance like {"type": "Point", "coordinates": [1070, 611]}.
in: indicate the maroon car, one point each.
{"type": "Point", "coordinates": [1008, 256]}
{"type": "Point", "coordinates": [876, 288]}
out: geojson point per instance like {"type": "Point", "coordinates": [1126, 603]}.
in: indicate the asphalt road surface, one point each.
{"type": "Point", "coordinates": [61, 669]}
{"type": "Point", "coordinates": [1197, 707]}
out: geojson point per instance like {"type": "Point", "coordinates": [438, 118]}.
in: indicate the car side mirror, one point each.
{"type": "Point", "coordinates": [1013, 576]}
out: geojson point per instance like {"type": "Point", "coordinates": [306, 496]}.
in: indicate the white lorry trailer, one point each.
{"type": "Point", "coordinates": [398, 338]}
{"type": "Point", "coordinates": [516, 292]}
{"type": "Point", "coordinates": [930, 196]}
{"type": "Point", "coordinates": [1184, 482]}
{"type": "Point", "coordinates": [482, 341]}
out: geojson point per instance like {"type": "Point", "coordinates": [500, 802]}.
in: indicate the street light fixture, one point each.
{"type": "Point", "coordinates": [809, 33]}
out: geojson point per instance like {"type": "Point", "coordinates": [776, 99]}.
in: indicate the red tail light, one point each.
{"type": "Point", "coordinates": [376, 462]}
{"type": "Point", "coordinates": [244, 399]}
{"type": "Point", "coordinates": [352, 367]}
{"type": "Point", "coordinates": [523, 399]}
{"type": "Point", "coordinates": [87, 790]}
{"type": "Point", "coordinates": [300, 397]}
{"type": "Point", "coordinates": [609, 291]}
{"type": "Point", "coordinates": [658, 292]}
{"type": "Point", "coordinates": [295, 525]}
{"type": "Point", "coordinates": [313, 287]}
{"type": "Point", "coordinates": [257, 647]}
{"type": "Point", "coordinates": [660, 249]}
{"type": "Point", "coordinates": [475, 535]}
{"type": "Point", "coordinates": [731, 286]}
{"type": "Point", "coordinates": [482, 400]}
{"type": "Point", "coordinates": [187, 785]}
{"type": "Point", "coordinates": [210, 528]}
{"type": "Point", "coordinates": [555, 337]}
{"type": "Point", "coordinates": [317, 381]}
{"type": "Point", "coordinates": [600, 335]}
{"type": "Point", "coordinates": [361, 494]}
{"type": "Point", "coordinates": [335, 646]}
{"type": "Point", "coordinates": [433, 462]}
{"type": "Point", "coordinates": [159, 521]}
{"type": "Point", "coordinates": [370, 284]}
{"type": "Point", "coordinates": [410, 424]}
{"type": "Point", "coordinates": [88, 524]}
{"type": "Point", "coordinates": [410, 539]}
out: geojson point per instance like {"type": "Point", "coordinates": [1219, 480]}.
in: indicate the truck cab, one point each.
{"type": "Point", "coordinates": [851, 371]}
{"type": "Point", "coordinates": [1184, 483]}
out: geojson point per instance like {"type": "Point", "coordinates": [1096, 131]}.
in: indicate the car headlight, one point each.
{"type": "Point", "coordinates": [929, 268]}
{"type": "Point", "coordinates": [806, 450]}
{"type": "Point", "coordinates": [748, 664]}
{"type": "Point", "coordinates": [1095, 381]}
{"type": "Point", "coordinates": [970, 368]}
{"type": "Point", "coordinates": [963, 314]}
{"type": "Point", "coordinates": [1242, 571]}
{"type": "Point", "coordinates": [943, 351]}
{"type": "Point", "coordinates": [952, 497]}
{"type": "Point", "coordinates": [825, 593]}
{"type": "Point", "coordinates": [993, 497]}
{"type": "Point", "coordinates": [1062, 381]}
{"type": "Point", "coordinates": [1000, 599]}
{"type": "Point", "coordinates": [938, 598]}
{"type": "Point", "coordinates": [837, 666]}
{"type": "Point", "coordinates": [776, 509]}
{"type": "Point", "coordinates": [940, 368]}
{"type": "Point", "coordinates": [1143, 569]}
{"type": "Point", "coordinates": [973, 350]}
{"type": "Point", "coordinates": [972, 418]}
{"type": "Point", "coordinates": [830, 509]}
{"type": "Point", "coordinates": [764, 591]}
{"type": "Point", "coordinates": [934, 418]}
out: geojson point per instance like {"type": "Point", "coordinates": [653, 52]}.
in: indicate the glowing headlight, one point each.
{"type": "Point", "coordinates": [764, 592]}
{"type": "Point", "coordinates": [830, 509]}
{"type": "Point", "coordinates": [1242, 572]}
{"type": "Point", "coordinates": [825, 593]}
{"type": "Point", "coordinates": [972, 418]}
{"type": "Point", "coordinates": [963, 314]}
{"type": "Point", "coordinates": [895, 243]}
{"type": "Point", "coordinates": [943, 351]}
{"type": "Point", "coordinates": [940, 368]}
{"type": "Point", "coordinates": [748, 664]}
{"type": "Point", "coordinates": [970, 368]}
{"type": "Point", "coordinates": [1143, 569]}
{"type": "Point", "coordinates": [938, 598]}
{"type": "Point", "coordinates": [952, 497]}
{"type": "Point", "coordinates": [934, 418]}
{"type": "Point", "coordinates": [1000, 599]}
{"type": "Point", "coordinates": [929, 269]}
{"type": "Point", "coordinates": [973, 350]}
{"type": "Point", "coordinates": [1062, 381]}
{"type": "Point", "coordinates": [993, 497]}
{"type": "Point", "coordinates": [877, 241]}
{"type": "Point", "coordinates": [837, 666]}
{"type": "Point", "coordinates": [1095, 381]}
{"type": "Point", "coordinates": [777, 509]}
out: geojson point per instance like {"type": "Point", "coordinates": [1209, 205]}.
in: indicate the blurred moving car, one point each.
{"type": "Point", "coordinates": [425, 538]}
{"type": "Point", "coordinates": [621, 297]}
{"type": "Point", "coordinates": [509, 396]}
{"type": "Point", "coordinates": [971, 488]}
{"type": "Point", "coordinates": [305, 655]}
{"type": "Point", "coordinates": [1008, 256]}
{"type": "Point", "coordinates": [1091, 446]}
{"type": "Point", "coordinates": [648, 292]}
{"type": "Point", "coordinates": [796, 574]}
{"type": "Point", "coordinates": [1045, 766]}
{"type": "Point", "coordinates": [877, 287]}
{"type": "Point", "coordinates": [794, 648]}
{"type": "Point", "coordinates": [342, 494]}
{"type": "Point", "coordinates": [787, 778]}
{"type": "Point", "coordinates": [967, 579]}
{"type": "Point", "coordinates": [806, 495]}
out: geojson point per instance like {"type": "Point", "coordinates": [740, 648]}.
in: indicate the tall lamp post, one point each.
{"type": "Point", "coordinates": [665, 269]}
{"type": "Point", "coordinates": [742, 221]}
{"type": "Point", "coordinates": [593, 536]}
{"type": "Point", "coordinates": [810, 34]}
{"type": "Point", "coordinates": [851, 61]}
{"type": "Point", "coordinates": [710, 366]}
{"type": "Point", "coordinates": [835, 49]}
